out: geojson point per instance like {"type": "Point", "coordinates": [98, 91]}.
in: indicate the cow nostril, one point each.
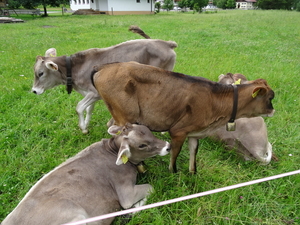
{"type": "Point", "coordinates": [34, 92]}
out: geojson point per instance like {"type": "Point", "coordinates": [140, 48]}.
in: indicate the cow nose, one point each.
{"type": "Point", "coordinates": [34, 92]}
{"type": "Point", "coordinates": [169, 148]}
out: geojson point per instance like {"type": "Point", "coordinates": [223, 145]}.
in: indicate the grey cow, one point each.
{"type": "Point", "coordinates": [94, 182]}
{"type": "Point", "coordinates": [250, 138]}
{"type": "Point", "coordinates": [51, 70]}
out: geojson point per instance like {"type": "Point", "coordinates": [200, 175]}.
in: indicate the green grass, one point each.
{"type": "Point", "coordinates": [38, 133]}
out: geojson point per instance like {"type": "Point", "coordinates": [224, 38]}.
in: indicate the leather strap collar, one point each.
{"type": "Point", "coordinates": [69, 74]}
{"type": "Point", "coordinates": [231, 123]}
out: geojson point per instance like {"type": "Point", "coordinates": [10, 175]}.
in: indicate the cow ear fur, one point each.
{"type": "Point", "coordinates": [39, 58]}
{"type": "Point", "coordinates": [52, 66]}
{"type": "Point", "coordinates": [51, 52]}
{"type": "Point", "coordinates": [124, 152]}
{"type": "Point", "coordinates": [258, 91]}
{"type": "Point", "coordinates": [114, 130]}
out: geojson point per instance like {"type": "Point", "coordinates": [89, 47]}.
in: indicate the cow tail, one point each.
{"type": "Point", "coordinates": [136, 29]}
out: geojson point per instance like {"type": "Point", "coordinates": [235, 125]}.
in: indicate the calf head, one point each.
{"type": "Point", "coordinates": [136, 143]}
{"type": "Point", "coordinates": [47, 74]}
{"type": "Point", "coordinates": [230, 78]}
{"type": "Point", "coordinates": [257, 98]}
{"type": "Point", "coordinates": [260, 92]}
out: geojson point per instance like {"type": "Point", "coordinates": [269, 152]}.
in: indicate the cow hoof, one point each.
{"type": "Point", "coordinates": [85, 131]}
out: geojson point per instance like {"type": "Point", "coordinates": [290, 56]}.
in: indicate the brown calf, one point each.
{"type": "Point", "coordinates": [185, 106]}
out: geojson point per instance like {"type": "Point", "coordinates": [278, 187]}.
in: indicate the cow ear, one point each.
{"type": "Point", "coordinates": [51, 52]}
{"type": "Point", "coordinates": [124, 152]}
{"type": "Point", "coordinates": [221, 76]}
{"type": "Point", "coordinates": [39, 58]}
{"type": "Point", "coordinates": [114, 130]}
{"type": "Point", "coordinates": [258, 91]}
{"type": "Point", "coordinates": [52, 66]}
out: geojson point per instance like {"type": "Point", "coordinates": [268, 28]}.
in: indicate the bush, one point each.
{"type": "Point", "coordinates": [157, 7]}
{"type": "Point", "coordinates": [13, 4]}
{"type": "Point", "coordinates": [298, 7]}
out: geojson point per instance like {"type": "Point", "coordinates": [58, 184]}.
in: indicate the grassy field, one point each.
{"type": "Point", "coordinates": [38, 133]}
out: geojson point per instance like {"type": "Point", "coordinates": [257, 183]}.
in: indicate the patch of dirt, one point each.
{"type": "Point", "coordinates": [47, 26]}
{"type": "Point", "coordinates": [85, 12]}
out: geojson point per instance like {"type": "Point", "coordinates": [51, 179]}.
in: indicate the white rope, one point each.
{"type": "Point", "coordinates": [106, 216]}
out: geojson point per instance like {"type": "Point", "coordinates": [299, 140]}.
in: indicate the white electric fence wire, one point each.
{"type": "Point", "coordinates": [132, 210]}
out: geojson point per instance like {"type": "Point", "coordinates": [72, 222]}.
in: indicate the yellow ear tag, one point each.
{"type": "Point", "coordinates": [237, 82]}
{"type": "Point", "coordinates": [52, 55]}
{"type": "Point", "coordinates": [118, 133]}
{"type": "Point", "coordinates": [124, 159]}
{"type": "Point", "coordinates": [255, 93]}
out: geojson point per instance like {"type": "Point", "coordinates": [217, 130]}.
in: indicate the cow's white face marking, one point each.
{"type": "Point", "coordinates": [165, 150]}
{"type": "Point", "coordinates": [37, 91]}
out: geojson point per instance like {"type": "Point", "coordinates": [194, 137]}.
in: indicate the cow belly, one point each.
{"type": "Point", "coordinates": [199, 134]}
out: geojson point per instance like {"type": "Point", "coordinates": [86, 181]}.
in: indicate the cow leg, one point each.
{"type": "Point", "coordinates": [78, 218]}
{"type": "Point", "coordinates": [134, 197]}
{"type": "Point", "coordinates": [88, 116]}
{"type": "Point", "coordinates": [87, 101]}
{"type": "Point", "coordinates": [193, 147]}
{"type": "Point", "coordinates": [176, 144]}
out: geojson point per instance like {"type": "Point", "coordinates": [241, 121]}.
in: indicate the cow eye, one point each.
{"type": "Point", "coordinates": [143, 146]}
{"type": "Point", "coordinates": [41, 74]}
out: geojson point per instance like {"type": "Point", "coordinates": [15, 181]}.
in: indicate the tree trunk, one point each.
{"type": "Point", "coordinates": [45, 10]}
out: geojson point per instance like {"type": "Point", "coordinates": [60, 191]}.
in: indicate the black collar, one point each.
{"type": "Point", "coordinates": [69, 74]}
{"type": "Point", "coordinates": [231, 124]}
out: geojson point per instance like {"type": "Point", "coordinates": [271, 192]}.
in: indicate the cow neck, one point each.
{"type": "Point", "coordinates": [69, 74]}
{"type": "Point", "coordinates": [113, 148]}
{"type": "Point", "coordinates": [231, 124]}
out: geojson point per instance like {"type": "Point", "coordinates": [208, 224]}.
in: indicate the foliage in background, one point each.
{"type": "Point", "coordinates": [230, 4]}
{"type": "Point", "coordinates": [157, 7]}
{"type": "Point", "coordinates": [201, 4]}
{"type": "Point", "coordinates": [298, 6]}
{"type": "Point", "coordinates": [220, 3]}
{"type": "Point", "coordinates": [32, 4]}
{"type": "Point", "coordinates": [38, 132]}
{"type": "Point", "coordinates": [168, 5]}
{"type": "Point", "coordinates": [276, 4]}
{"type": "Point", "coordinates": [14, 4]}
{"type": "Point", "coordinates": [263, 4]}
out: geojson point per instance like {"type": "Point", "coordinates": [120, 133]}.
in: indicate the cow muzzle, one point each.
{"type": "Point", "coordinates": [271, 113]}
{"type": "Point", "coordinates": [37, 91]}
{"type": "Point", "coordinates": [165, 150]}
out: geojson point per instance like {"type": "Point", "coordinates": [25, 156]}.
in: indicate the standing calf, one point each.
{"type": "Point", "coordinates": [96, 181]}
{"type": "Point", "coordinates": [51, 70]}
{"type": "Point", "coordinates": [250, 138]}
{"type": "Point", "coordinates": [185, 106]}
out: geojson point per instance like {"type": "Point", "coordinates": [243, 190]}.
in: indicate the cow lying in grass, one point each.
{"type": "Point", "coordinates": [186, 106]}
{"type": "Point", "coordinates": [97, 181]}
{"type": "Point", "coordinates": [250, 138]}
{"type": "Point", "coordinates": [75, 71]}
